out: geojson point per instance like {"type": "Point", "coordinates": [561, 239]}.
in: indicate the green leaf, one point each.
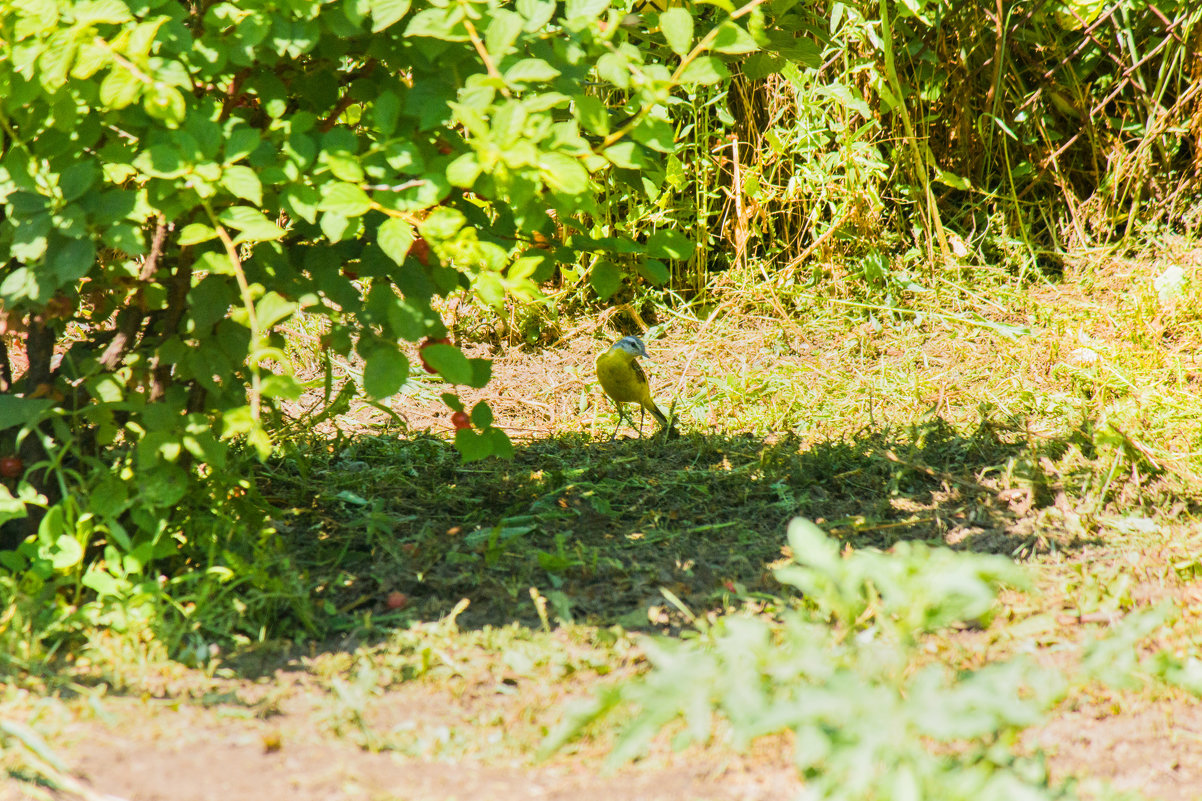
{"type": "Point", "coordinates": [240, 143]}
{"type": "Point", "coordinates": [217, 263]}
{"type": "Point", "coordinates": [334, 226]}
{"type": "Point", "coordinates": [195, 233]}
{"type": "Point", "coordinates": [705, 71]}
{"type": "Point", "coordinates": [346, 200]}
{"type": "Point", "coordinates": [253, 224]}
{"type": "Point", "coordinates": [301, 201]}
{"type": "Point", "coordinates": [17, 411]}
{"type": "Point", "coordinates": [654, 271]}
{"type": "Point", "coordinates": [345, 167]}
{"type": "Point", "coordinates": [385, 13]}
{"type": "Point", "coordinates": [761, 65]}
{"type": "Point", "coordinates": [449, 362]}
{"type": "Point", "coordinates": [110, 497]}
{"type": "Point", "coordinates": [56, 60]}
{"type": "Point", "coordinates": [125, 237]}
{"type": "Point", "coordinates": [385, 110]}
{"type": "Point", "coordinates": [592, 114]}
{"type": "Point", "coordinates": [243, 182]}
{"type": "Point", "coordinates": [529, 70]}
{"type": "Point", "coordinates": [101, 582]}
{"type": "Point", "coordinates": [165, 485]}
{"type": "Point", "coordinates": [11, 508]}
{"type": "Point", "coordinates": [472, 446]}
{"type": "Point", "coordinates": [71, 259]}
{"type": "Point", "coordinates": [97, 12]}
{"type": "Point", "coordinates": [537, 13]}
{"type": "Point", "coordinates": [677, 26]}
{"type": "Point", "coordinates": [385, 371]}
{"type": "Point", "coordinates": [272, 308]}
{"type": "Point", "coordinates": [66, 552]}
{"type": "Point", "coordinates": [615, 68]}
{"type": "Point", "coordinates": [564, 173]}
{"type": "Point", "coordinates": [502, 32]}
{"type": "Point", "coordinates": [394, 237]}
{"type": "Point", "coordinates": [670, 245]}
{"type": "Point", "coordinates": [442, 224]}
{"type": "Point", "coordinates": [605, 278]}
{"type": "Point", "coordinates": [90, 59]}
{"type": "Point", "coordinates": [655, 134]}
{"type": "Point", "coordinates": [439, 23]}
{"type": "Point", "coordinates": [455, 368]}
{"type": "Point", "coordinates": [585, 9]}
{"type": "Point", "coordinates": [119, 88]}
{"type": "Point", "coordinates": [481, 415]}
{"type": "Point", "coordinates": [952, 180]}
{"type": "Point", "coordinates": [733, 40]}
{"type": "Point", "coordinates": [281, 386]}
{"type": "Point", "coordinates": [78, 179]}
{"type": "Point", "coordinates": [793, 48]}
{"type": "Point", "coordinates": [165, 103]}
{"type": "Point", "coordinates": [499, 442]}
{"type": "Point", "coordinates": [464, 170]}
{"type": "Point", "coordinates": [625, 154]}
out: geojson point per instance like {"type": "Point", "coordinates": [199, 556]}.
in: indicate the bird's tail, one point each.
{"type": "Point", "coordinates": [664, 422]}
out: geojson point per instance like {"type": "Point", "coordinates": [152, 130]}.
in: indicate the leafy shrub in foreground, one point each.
{"type": "Point", "coordinates": [839, 673]}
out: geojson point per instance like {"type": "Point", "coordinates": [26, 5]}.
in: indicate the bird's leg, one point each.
{"type": "Point", "coordinates": [618, 406]}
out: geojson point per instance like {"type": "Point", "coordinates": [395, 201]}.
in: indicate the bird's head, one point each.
{"type": "Point", "coordinates": [632, 345]}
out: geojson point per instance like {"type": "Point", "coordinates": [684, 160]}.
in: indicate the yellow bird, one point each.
{"type": "Point", "coordinates": [625, 382]}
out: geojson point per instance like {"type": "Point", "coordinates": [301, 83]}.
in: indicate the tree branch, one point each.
{"type": "Point", "coordinates": [39, 348]}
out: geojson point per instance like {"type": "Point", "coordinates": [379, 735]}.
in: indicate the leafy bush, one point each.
{"type": "Point", "coordinates": [177, 181]}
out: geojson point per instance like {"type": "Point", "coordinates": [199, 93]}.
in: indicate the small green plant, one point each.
{"type": "Point", "coordinates": [838, 671]}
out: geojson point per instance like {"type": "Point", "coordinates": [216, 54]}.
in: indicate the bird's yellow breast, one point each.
{"type": "Point", "coordinates": [621, 377]}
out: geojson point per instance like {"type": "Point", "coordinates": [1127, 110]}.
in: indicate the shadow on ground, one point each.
{"type": "Point", "coordinates": [601, 529]}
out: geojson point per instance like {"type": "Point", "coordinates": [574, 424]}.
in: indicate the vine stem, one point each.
{"type": "Point", "coordinates": [248, 302]}
{"type": "Point", "coordinates": [482, 51]}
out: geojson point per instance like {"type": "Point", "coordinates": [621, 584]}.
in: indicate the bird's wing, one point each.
{"type": "Point", "coordinates": [639, 376]}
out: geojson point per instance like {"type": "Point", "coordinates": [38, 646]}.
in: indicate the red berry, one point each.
{"type": "Point", "coordinates": [11, 466]}
{"type": "Point", "coordinates": [420, 250]}
{"type": "Point", "coordinates": [427, 342]}
{"type": "Point", "coordinates": [460, 420]}
{"type": "Point", "coordinates": [397, 600]}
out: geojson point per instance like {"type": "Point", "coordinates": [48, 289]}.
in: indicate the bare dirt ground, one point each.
{"type": "Point", "coordinates": [150, 752]}
{"type": "Point", "coordinates": [286, 736]}
{"type": "Point", "coordinates": [1154, 749]}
